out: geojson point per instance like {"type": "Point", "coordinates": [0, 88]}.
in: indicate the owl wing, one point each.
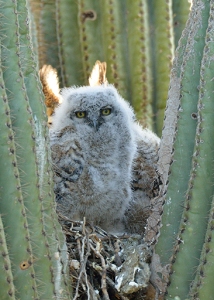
{"type": "Point", "coordinates": [67, 155]}
{"type": "Point", "coordinates": [145, 175]}
{"type": "Point", "coordinates": [145, 181]}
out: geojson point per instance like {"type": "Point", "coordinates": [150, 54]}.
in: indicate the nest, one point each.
{"type": "Point", "coordinates": [104, 266]}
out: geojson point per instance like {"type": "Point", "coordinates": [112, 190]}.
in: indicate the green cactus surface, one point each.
{"type": "Point", "coordinates": [185, 241]}
{"type": "Point", "coordinates": [35, 245]}
{"type": "Point", "coordinates": [135, 38]}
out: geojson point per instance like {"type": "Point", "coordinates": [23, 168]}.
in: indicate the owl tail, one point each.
{"type": "Point", "coordinates": [50, 84]}
{"type": "Point", "coordinates": [98, 74]}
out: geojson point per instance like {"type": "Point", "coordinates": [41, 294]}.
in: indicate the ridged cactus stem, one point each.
{"type": "Point", "coordinates": [115, 45]}
{"type": "Point", "coordinates": [198, 198]}
{"type": "Point", "coordinates": [181, 9]}
{"type": "Point", "coordinates": [22, 86]}
{"type": "Point", "coordinates": [59, 43]}
{"type": "Point", "coordinates": [68, 40]}
{"type": "Point", "coordinates": [6, 276]}
{"type": "Point", "coordinates": [140, 60]}
{"type": "Point", "coordinates": [13, 211]}
{"type": "Point", "coordinates": [203, 287]}
{"type": "Point", "coordinates": [89, 17]}
{"type": "Point", "coordinates": [47, 36]}
{"type": "Point", "coordinates": [30, 72]}
{"type": "Point", "coordinates": [163, 53]}
{"type": "Point", "coordinates": [166, 147]}
{"type": "Point", "coordinates": [183, 147]}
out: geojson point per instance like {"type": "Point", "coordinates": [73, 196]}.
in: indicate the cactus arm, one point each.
{"type": "Point", "coordinates": [198, 199]}
{"type": "Point", "coordinates": [140, 62]}
{"type": "Point", "coordinates": [183, 146]}
{"type": "Point", "coordinates": [162, 55]}
{"type": "Point", "coordinates": [14, 214]}
{"type": "Point", "coordinates": [69, 43]}
{"type": "Point", "coordinates": [181, 10]}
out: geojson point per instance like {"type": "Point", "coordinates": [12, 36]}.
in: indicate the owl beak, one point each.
{"type": "Point", "coordinates": [95, 124]}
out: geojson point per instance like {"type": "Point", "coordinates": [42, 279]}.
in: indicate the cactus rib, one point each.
{"type": "Point", "coordinates": [47, 38]}
{"type": "Point", "coordinates": [115, 57]}
{"type": "Point", "coordinates": [198, 199]}
{"type": "Point", "coordinates": [202, 287]}
{"type": "Point", "coordinates": [67, 35]}
{"type": "Point", "coordinates": [90, 34]}
{"type": "Point", "coordinates": [13, 211]}
{"type": "Point", "coordinates": [181, 9]}
{"type": "Point", "coordinates": [55, 238]}
{"type": "Point", "coordinates": [22, 84]}
{"type": "Point", "coordinates": [6, 276]}
{"type": "Point", "coordinates": [140, 61]}
{"type": "Point", "coordinates": [163, 53]}
{"type": "Point", "coordinates": [183, 147]}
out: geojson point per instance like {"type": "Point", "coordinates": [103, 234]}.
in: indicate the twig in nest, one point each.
{"type": "Point", "coordinates": [83, 261]}
{"type": "Point", "coordinates": [103, 276]}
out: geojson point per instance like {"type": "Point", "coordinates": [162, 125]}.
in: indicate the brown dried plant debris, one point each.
{"type": "Point", "coordinates": [106, 266]}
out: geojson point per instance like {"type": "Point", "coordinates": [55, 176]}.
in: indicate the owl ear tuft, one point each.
{"type": "Point", "coordinates": [98, 74]}
{"type": "Point", "coordinates": [50, 85]}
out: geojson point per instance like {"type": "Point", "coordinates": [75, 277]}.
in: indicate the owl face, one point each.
{"type": "Point", "coordinates": [92, 109]}
{"type": "Point", "coordinates": [93, 115]}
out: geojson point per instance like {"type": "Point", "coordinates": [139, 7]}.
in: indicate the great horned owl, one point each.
{"type": "Point", "coordinates": [104, 162]}
{"type": "Point", "coordinates": [93, 147]}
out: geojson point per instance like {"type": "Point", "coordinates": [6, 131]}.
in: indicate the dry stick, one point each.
{"type": "Point", "coordinates": [103, 277]}
{"type": "Point", "coordinates": [83, 261]}
{"type": "Point", "coordinates": [109, 281]}
{"type": "Point", "coordinates": [82, 267]}
{"type": "Point", "coordinates": [85, 233]}
{"type": "Point", "coordinates": [80, 274]}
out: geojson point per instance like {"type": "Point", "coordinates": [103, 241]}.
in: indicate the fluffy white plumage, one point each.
{"type": "Point", "coordinates": [93, 155]}
{"type": "Point", "coordinates": [105, 164]}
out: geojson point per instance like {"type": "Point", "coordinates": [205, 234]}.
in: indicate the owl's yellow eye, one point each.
{"type": "Point", "coordinates": [106, 111]}
{"type": "Point", "coordinates": [80, 114]}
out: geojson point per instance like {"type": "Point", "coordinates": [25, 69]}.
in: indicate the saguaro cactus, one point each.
{"type": "Point", "coordinates": [135, 38]}
{"type": "Point", "coordinates": [33, 250]}
{"type": "Point", "coordinates": [186, 158]}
